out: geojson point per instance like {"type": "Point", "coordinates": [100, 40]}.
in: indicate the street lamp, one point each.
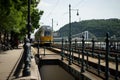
{"type": "Point", "coordinates": [27, 46]}
{"type": "Point", "coordinates": [69, 38]}
{"type": "Point", "coordinates": [29, 20]}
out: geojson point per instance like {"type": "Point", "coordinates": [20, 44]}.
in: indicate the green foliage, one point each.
{"type": "Point", "coordinates": [13, 15]}
{"type": "Point", "coordinates": [35, 16]}
{"type": "Point", "coordinates": [97, 27]}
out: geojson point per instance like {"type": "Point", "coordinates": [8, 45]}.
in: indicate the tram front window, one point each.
{"type": "Point", "coordinates": [47, 33]}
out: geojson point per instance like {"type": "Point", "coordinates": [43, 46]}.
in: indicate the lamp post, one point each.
{"type": "Point", "coordinates": [27, 46]}
{"type": "Point", "coordinates": [69, 38]}
{"type": "Point", "coordinates": [29, 20]}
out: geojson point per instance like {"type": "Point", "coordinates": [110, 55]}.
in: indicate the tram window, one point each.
{"type": "Point", "coordinates": [47, 33]}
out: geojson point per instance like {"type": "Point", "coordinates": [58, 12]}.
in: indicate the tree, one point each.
{"type": "Point", "coordinates": [35, 16]}
{"type": "Point", "coordinates": [13, 16]}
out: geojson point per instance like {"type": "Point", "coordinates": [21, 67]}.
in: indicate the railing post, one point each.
{"type": "Point", "coordinates": [106, 58]}
{"type": "Point", "coordinates": [66, 48]}
{"type": "Point", "coordinates": [75, 44]}
{"type": "Point", "coordinates": [72, 55]}
{"type": "Point", "coordinates": [38, 49]}
{"type": "Point", "coordinates": [93, 46]}
{"type": "Point", "coordinates": [87, 60]}
{"type": "Point", "coordinates": [62, 53]}
{"type": "Point", "coordinates": [27, 58]}
{"type": "Point", "coordinates": [117, 74]}
{"type": "Point", "coordinates": [117, 48]}
{"type": "Point", "coordinates": [78, 56]}
{"type": "Point", "coordinates": [44, 50]}
{"type": "Point", "coordinates": [83, 46]}
{"type": "Point", "coordinates": [99, 69]}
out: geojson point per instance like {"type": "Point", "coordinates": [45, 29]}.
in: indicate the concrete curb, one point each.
{"type": "Point", "coordinates": [35, 75]}
{"type": "Point", "coordinates": [14, 68]}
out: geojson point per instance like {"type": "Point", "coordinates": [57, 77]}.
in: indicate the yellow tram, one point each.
{"type": "Point", "coordinates": [44, 35]}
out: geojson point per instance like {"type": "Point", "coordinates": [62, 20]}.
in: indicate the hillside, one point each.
{"type": "Point", "coordinates": [97, 27]}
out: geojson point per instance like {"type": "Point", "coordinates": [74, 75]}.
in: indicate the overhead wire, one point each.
{"type": "Point", "coordinates": [55, 6]}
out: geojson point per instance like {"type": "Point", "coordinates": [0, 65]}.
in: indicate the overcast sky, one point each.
{"type": "Point", "coordinates": [88, 9]}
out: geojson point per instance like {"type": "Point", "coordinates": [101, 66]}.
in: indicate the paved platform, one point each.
{"type": "Point", "coordinates": [8, 60]}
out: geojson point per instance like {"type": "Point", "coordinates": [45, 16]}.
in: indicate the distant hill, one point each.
{"type": "Point", "coordinates": [97, 27]}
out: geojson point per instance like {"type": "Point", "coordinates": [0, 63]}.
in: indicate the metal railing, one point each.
{"type": "Point", "coordinates": [107, 50]}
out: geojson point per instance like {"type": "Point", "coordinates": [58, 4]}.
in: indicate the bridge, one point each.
{"type": "Point", "coordinates": [87, 36]}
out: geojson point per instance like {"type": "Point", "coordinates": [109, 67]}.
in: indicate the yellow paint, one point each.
{"type": "Point", "coordinates": [46, 39]}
